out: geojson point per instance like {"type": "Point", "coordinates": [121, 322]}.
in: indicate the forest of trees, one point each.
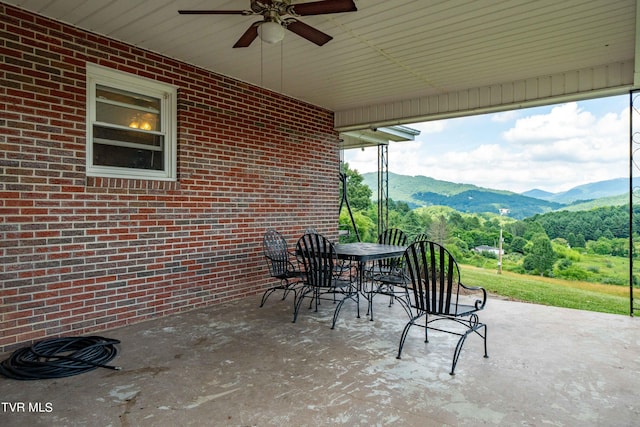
{"type": "Point", "coordinates": [538, 245]}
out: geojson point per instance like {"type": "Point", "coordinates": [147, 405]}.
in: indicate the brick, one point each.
{"type": "Point", "coordinates": [86, 253]}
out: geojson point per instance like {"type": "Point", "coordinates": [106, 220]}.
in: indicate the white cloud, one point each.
{"type": "Point", "coordinates": [554, 151]}
{"type": "Point", "coordinates": [564, 121]}
{"type": "Point", "coordinates": [362, 161]}
{"type": "Point", "coordinates": [569, 134]}
{"type": "Point", "coordinates": [435, 126]}
{"type": "Point", "coordinates": [505, 116]}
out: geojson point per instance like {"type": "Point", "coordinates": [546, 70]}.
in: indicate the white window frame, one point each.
{"type": "Point", "coordinates": [98, 75]}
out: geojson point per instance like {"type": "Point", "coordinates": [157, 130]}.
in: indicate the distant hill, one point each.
{"type": "Point", "coordinates": [482, 200]}
{"type": "Point", "coordinates": [622, 199]}
{"type": "Point", "coordinates": [594, 190]}
{"type": "Point", "coordinates": [419, 191]}
{"type": "Point", "coordinates": [538, 194]}
{"type": "Point", "coordinates": [404, 186]}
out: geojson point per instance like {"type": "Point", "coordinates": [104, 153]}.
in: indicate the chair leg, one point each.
{"type": "Point", "coordinates": [458, 350]}
{"type": "Point", "coordinates": [352, 294]}
{"type": "Point", "coordinates": [312, 301]}
{"type": "Point", "coordinates": [298, 302]}
{"type": "Point", "coordinates": [379, 289]}
{"type": "Point", "coordinates": [456, 353]}
{"type": "Point", "coordinates": [286, 287]}
{"type": "Point", "coordinates": [405, 331]}
{"type": "Point", "coordinates": [336, 312]}
{"type": "Point", "coordinates": [295, 298]}
{"type": "Point", "coordinates": [405, 302]}
{"type": "Point", "coordinates": [268, 293]}
{"type": "Point", "coordinates": [484, 338]}
{"type": "Point", "coordinates": [426, 329]}
{"type": "Point", "coordinates": [289, 287]}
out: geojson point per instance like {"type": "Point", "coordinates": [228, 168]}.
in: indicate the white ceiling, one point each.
{"type": "Point", "coordinates": [390, 53]}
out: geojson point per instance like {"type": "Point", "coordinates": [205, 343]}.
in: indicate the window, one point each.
{"type": "Point", "coordinates": [131, 126]}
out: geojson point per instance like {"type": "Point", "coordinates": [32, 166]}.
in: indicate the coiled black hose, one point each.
{"type": "Point", "coordinates": [60, 357]}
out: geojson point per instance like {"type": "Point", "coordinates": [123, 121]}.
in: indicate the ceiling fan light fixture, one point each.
{"type": "Point", "coordinates": [271, 32]}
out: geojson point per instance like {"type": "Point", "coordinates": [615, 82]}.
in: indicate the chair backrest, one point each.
{"type": "Point", "coordinates": [276, 252]}
{"type": "Point", "coordinates": [419, 237]}
{"type": "Point", "coordinates": [392, 236]}
{"type": "Point", "coordinates": [435, 277]}
{"type": "Point", "coordinates": [318, 256]}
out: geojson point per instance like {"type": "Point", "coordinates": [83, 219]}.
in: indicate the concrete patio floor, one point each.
{"type": "Point", "coordinates": [240, 365]}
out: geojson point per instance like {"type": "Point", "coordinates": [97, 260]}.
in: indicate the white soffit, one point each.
{"type": "Point", "coordinates": [393, 62]}
{"type": "Point", "coordinates": [609, 80]}
{"type": "Point", "coordinates": [376, 136]}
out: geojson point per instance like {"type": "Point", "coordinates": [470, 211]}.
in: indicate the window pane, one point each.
{"type": "Point", "coordinates": [125, 97]}
{"type": "Point", "coordinates": [124, 116]}
{"type": "Point", "coordinates": [127, 109]}
{"type": "Point", "coordinates": [128, 137]}
{"type": "Point", "coordinates": [131, 124]}
{"type": "Point", "coordinates": [126, 157]}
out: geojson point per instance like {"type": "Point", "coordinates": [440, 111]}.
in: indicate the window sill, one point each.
{"type": "Point", "coordinates": [132, 184]}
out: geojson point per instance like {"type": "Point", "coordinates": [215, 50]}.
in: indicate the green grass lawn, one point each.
{"type": "Point", "coordinates": [554, 292]}
{"type": "Point", "coordinates": [605, 269]}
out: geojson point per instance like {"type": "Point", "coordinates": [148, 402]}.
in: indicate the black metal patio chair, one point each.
{"type": "Point", "coordinates": [276, 252]}
{"type": "Point", "coordinates": [387, 275]}
{"type": "Point", "coordinates": [419, 237]}
{"type": "Point", "coordinates": [326, 277]}
{"type": "Point", "coordinates": [437, 295]}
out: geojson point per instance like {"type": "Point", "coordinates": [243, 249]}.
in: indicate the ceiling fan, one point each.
{"type": "Point", "coordinates": [279, 15]}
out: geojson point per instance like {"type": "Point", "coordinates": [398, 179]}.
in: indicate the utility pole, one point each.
{"type": "Point", "coordinates": [500, 252]}
{"type": "Point", "coordinates": [503, 212]}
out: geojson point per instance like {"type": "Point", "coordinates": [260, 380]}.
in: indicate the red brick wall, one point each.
{"type": "Point", "coordinates": [80, 254]}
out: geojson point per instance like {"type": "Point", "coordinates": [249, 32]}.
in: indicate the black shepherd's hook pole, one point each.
{"type": "Point", "coordinates": [345, 199]}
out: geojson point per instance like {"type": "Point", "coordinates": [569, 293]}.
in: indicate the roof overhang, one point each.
{"type": "Point", "coordinates": [393, 63]}
{"type": "Point", "coordinates": [376, 136]}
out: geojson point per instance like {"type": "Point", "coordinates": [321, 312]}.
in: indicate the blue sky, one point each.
{"type": "Point", "coordinates": [552, 148]}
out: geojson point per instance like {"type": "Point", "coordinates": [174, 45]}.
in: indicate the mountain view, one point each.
{"type": "Point", "coordinates": [419, 191]}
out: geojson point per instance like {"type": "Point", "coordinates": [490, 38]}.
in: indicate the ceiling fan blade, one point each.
{"type": "Point", "coordinates": [249, 36]}
{"type": "Point", "coordinates": [323, 7]}
{"type": "Point", "coordinates": [308, 32]}
{"type": "Point", "coordinates": [215, 12]}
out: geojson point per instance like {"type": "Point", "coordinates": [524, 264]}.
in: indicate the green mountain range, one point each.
{"type": "Point", "coordinates": [419, 191]}
{"type": "Point", "coordinates": [591, 191]}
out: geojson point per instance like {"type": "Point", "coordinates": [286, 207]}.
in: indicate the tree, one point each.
{"type": "Point", "coordinates": [533, 227]}
{"type": "Point", "coordinates": [438, 230]}
{"type": "Point", "coordinates": [620, 247]}
{"type": "Point", "coordinates": [517, 245]}
{"type": "Point", "coordinates": [366, 227]}
{"type": "Point", "coordinates": [359, 194]}
{"type": "Point", "coordinates": [518, 228]}
{"type": "Point", "coordinates": [401, 207]}
{"type": "Point", "coordinates": [541, 256]}
{"type": "Point", "coordinates": [602, 246]}
{"type": "Point", "coordinates": [411, 224]}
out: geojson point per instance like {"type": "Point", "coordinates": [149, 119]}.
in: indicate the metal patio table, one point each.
{"type": "Point", "coordinates": [363, 252]}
